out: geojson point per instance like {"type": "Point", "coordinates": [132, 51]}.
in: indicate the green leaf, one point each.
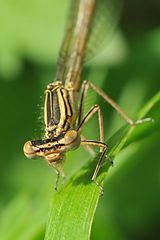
{"type": "Point", "coordinates": [73, 207]}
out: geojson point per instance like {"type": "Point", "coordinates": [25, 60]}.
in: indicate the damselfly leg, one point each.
{"type": "Point", "coordinates": [59, 172]}
{"type": "Point", "coordinates": [96, 109]}
{"type": "Point", "coordinates": [100, 144]}
{"type": "Point", "coordinates": [110, 101]}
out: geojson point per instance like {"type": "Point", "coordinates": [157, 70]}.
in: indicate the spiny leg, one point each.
{"type": "Point", "coordinates": [59, 172]}
{"type": "Point", "coordinates": [115, 105]}
{"type": "Point", "coordinates": [88, 116]}
{"type": "Point", "coordinates": [57, 180]}
{"type": "Point", "coordinates": [82, 122]}
{"type": "Point", "coordinates": [89, 143]}
{"type": "Point", "coordinates": [84, 91]}
{"type": "Point", "coordinates": [102, 146]}
{"type": "Point", "coordinates": [88, 148]}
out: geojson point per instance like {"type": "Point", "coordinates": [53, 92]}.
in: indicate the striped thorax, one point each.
{"type": "Point", "coordinates": [59, 119]}
{"type": "Point", "coordinates": [59, 110]}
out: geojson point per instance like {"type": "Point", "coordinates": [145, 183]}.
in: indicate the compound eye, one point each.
{"type": "Point", "coordinates": [29, 150]}
{"type": "Point", "coordinates": [72, 139]}
{"type": "Point", "coordinates": [70, 136]}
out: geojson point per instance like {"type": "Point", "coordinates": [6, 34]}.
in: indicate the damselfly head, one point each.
{"type": "Point", "coordinates": [52, 149]}
{"type": "Point", "coordinates": [48, 149]}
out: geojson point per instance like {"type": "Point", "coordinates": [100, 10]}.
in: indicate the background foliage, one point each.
{"type": "Point", "coordinates": [31, 33]}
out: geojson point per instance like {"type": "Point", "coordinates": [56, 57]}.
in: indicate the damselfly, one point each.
{"type": "Point", "coordinates": [63, 118]}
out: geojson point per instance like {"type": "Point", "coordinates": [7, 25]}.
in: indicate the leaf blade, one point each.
{"type": "Point", "coordinates": [73, 208]}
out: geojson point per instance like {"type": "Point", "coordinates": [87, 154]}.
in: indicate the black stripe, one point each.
{"type": "Point", "coordinates": [54, 147]}
{"type": "Point", "coordinates": [56, 110]}
{"type": "Point", "coordinates": [69, 105]}
{"type": "Point", "coordinates": [44, 141]}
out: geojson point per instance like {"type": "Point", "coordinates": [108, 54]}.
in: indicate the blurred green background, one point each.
{"type": "Point", "coordinates": [128, 70]}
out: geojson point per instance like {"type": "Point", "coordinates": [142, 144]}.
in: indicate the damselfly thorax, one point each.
{"type": "Point", "coordinates": [60, 111]}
